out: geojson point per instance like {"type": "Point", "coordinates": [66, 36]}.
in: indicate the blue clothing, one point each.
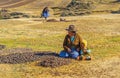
{"type": "Point", "coordinates": [81, 52]}
{"type": "Point", "coordinates": [73, 54]}
{"type": "Point", "coordinates": [72, 38]}
{"type": "Point", "coordinates": [45, 14]}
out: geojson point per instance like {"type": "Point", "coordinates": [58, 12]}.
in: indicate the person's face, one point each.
{"type": "Point", "coordinates": [70, 33]}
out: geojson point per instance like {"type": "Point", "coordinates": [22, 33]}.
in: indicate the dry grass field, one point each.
{"type": "Point", "coordinates": [101, 31]}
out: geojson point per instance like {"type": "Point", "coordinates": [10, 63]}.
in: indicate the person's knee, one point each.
{"type": "Point", "coordinates": [75, 55]}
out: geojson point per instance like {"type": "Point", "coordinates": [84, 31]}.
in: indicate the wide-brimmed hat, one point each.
{"type": "Point", "coordinates": [71, 28]}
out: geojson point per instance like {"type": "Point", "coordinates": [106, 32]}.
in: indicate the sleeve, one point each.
{"type": "Point", "coordinates": [80, 42]}
{"type": "Point", "coordinates": [65, 43]}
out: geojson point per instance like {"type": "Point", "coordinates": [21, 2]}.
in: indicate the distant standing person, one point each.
{"type": "Point", "coordinates": [45, 13]}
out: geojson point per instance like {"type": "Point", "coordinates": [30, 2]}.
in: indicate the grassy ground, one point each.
{"type": "Point", "coordinates": [101, 31]}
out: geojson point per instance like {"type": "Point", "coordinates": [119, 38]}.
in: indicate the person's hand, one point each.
{"type": "Point", "coordinates": [85, 50]}
{"type": "Point", "coordinates": [69, 50]}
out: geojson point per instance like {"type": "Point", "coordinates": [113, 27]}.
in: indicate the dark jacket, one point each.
{"type": "Point", "coordinates": [69, 44]}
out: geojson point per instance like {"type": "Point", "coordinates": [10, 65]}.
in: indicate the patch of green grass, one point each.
{"type": "Point", "coordinates": [114, 39]}
{"type": "Point", "coordinates": [43, 44]}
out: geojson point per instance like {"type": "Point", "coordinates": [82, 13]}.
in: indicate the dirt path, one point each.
{"type": "Point", "coordinates": [15, 3]}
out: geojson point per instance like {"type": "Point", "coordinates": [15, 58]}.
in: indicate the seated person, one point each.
{"type": "Point", "coordinates": [85, 52]}
{"type": "Point", "coordinates": [72, 44]}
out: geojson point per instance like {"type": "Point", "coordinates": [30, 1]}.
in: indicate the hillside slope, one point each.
{"type": "Point", "coordinates": [14, 3]}
{"type": "Point", "coordinates": [67, 7]}
{"type": "Point", "coordinates": [82, 7]}
{"type": "Point", "coordinates": [32, 6]}
{"type": "Point", "coordinates": [33, 3]}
